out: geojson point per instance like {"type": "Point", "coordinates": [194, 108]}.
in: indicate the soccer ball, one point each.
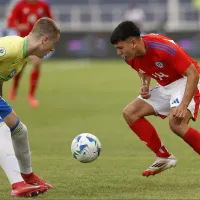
{"type": "Point", "coordinates": [86, 147]}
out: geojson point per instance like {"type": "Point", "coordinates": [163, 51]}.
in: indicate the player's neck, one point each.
{"type": "Point", "coordinates": [143, 48]}
{"type": "Point", "coordinates": [32, 46]}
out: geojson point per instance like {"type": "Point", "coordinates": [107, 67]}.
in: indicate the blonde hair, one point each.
{"type": "Point", "coordinates": [45, 26]}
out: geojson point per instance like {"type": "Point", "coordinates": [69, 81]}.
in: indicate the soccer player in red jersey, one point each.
{"type": "Point", "coordinates": [177, 94]}
{"type": "Point", "coordinates": [22, 18]}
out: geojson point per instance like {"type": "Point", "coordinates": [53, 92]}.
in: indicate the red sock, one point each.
{"type": "Point", "coordinates": [27, 175]}
{"type": "Point", "coordinates": [192, 137]}
{"type": "Point", "coordinates": [147, 133]}
{"type": "Point", "coordinates": [33, 81]}
{"type": "Point", "coordinates": [16, 79]}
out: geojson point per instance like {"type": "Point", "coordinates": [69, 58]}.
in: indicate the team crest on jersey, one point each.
{"type": "Point", "coordinates": [2, 51]}
{"type": "Point", "coordinates": [159, 64]}
{"type": "Point", "coordinates": [13, 72]}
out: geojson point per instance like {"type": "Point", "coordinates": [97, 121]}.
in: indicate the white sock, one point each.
{"type": "Point", "coordinates": [22, 149]}
{"type": "Point", "coordinates": [8, 160]}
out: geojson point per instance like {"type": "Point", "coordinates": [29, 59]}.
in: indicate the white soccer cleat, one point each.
{"type": "Point", "coordinates": [160, 165]}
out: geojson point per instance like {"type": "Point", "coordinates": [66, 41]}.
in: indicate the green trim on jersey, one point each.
{"type": "Point", "coordinates": [25, 47]}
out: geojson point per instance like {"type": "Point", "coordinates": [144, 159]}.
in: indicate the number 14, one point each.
{"type": "Point", "coordinates": [159, 75]}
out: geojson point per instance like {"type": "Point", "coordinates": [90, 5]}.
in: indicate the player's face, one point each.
{"type": "Point", "coordinates": [126, 49]}
{"type": "Point", "coordinates": [47, 46]}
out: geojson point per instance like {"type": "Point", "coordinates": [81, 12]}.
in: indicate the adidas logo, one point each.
{"type": "Point", "coordinates": [175, 101]}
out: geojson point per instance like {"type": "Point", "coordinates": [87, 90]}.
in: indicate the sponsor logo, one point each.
{"type": "Point", "coordinates": [175, 101]}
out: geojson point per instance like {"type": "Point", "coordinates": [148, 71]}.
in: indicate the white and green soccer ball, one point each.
{"type": "Point", "coordinates": [86, 147]}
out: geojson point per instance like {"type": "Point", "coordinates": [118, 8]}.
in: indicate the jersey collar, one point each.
{"type": "Point", "coordinates": [25, 47]}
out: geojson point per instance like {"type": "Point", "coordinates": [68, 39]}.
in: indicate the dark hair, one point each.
{"type": "Point", "coordinates": [123, 31]}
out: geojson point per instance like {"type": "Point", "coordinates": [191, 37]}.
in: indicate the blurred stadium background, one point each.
{"type": "Point", "coordinates": [84, 88]}
{"type": "Point", "coordinates": [85, 21]}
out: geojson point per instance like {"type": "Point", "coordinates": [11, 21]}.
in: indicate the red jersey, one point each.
{"type": "Point", "coordinates": [25, 12]}
{"type": "Point", "coordinates": [165, 61]}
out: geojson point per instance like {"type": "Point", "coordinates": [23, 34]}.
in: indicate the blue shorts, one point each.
{"type": "Point", "coordinates": [5, 108]}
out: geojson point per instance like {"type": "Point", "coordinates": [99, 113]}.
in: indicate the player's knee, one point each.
{"type": "Point", "coordinates": [129, 114]}
{"type": "Point", "coordinates": [175, 127]}
{"type": "Point", "coordinates": [126, 112]}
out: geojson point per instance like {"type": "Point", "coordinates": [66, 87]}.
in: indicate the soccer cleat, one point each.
{"type": "Point", "coordinates": [160, 165]}
{"type": "Point", "coordinates": [22, 189]}
{"type": "Point", "coordinates": [12, 95]}
{"type": "Point", "coordinates": [35, 180]}
{"type": "Point", "coordinates": [33, 101]}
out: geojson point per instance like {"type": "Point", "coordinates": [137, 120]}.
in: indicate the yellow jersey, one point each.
{"type": "Point", "coordinates": [13, 50]}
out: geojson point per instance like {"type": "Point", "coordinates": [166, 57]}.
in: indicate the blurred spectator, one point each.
{"type": "Point", "coordinates": [22, 17]}
{"type": "Point", "coordinates": [135, 14]}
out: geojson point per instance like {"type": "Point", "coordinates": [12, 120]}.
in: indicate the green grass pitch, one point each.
{"type": "Point", "coordinates": [88, 96]}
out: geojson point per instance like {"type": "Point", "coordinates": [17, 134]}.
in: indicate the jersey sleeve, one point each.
{"type": "Point", "coordinates": [174, 55]}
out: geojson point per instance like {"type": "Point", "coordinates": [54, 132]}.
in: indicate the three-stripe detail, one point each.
{"type": "Point", "coordinates": [163, 47]}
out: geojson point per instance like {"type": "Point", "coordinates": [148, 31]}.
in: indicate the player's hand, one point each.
{"type": "Point", "coordinates": [22, 27]}
{"type": "Point", "coordinates": [144, 92]}
{"type": "Point", "coordinates": [180, 111]}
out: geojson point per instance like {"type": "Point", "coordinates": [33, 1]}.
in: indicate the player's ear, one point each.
{"type": "Point", "coordinates": [133, 41]}
{"type": "Point", "coordinates": [45, 39]}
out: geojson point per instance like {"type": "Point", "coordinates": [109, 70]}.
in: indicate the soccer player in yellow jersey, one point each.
{"type": "Point", "coordinates": [15, 155]}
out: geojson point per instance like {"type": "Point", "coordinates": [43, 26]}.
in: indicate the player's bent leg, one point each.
{"type": "Point", "coordinates": [21, 146]}
{"type": "Point", "coordinates": [8, 160]}
{"type": "Point", "coordinates": [34, 78]}
{"type": "Point", "coordinates": [9, 164]}
{"type": "Point", "coordinates": [179, 126]}
{"type": "Point", "coordinates": [22, 150]}
{"type": "Point", "coordinates": [136, 110]}
{"type": "Point", "coordinates": [134, 115]}
{"type": "Point", "coordinates": [20, 141]}
{"type": "Point", "coordinates": [190, 135]}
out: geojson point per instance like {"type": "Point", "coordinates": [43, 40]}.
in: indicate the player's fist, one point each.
{"type": "Point", "coordinates": [144, 92]}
